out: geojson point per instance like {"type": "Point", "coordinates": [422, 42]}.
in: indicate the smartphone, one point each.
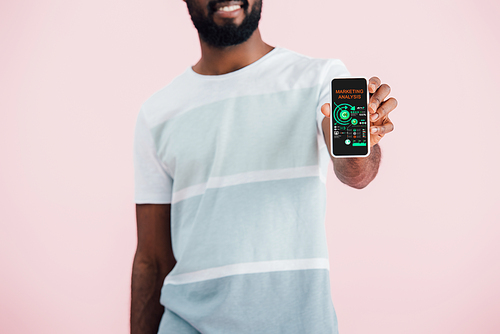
{"type": "Point", "coordinates": [349, 122]}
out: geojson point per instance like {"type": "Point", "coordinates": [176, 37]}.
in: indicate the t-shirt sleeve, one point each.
{"type": "Point", "coordinates": [153, 185]}
{"type": "Point", "coordinates": [334, 69]}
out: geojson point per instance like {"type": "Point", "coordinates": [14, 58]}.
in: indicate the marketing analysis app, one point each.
{"type": "Point", "coordinates": [349, 120]}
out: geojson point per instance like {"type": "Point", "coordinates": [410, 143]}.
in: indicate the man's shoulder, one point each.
{"type": "Point", "coordinates": [174, 87]}
{"type": "Point", "coordinates": [293, 70]}
{"type": "Point", "coordinates": [301, 60]}
{"type": "Point", "coordinates": [165, 98]}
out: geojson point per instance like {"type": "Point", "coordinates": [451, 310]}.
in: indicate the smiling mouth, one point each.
{"type": "Point", "coordinates": [228, 6]}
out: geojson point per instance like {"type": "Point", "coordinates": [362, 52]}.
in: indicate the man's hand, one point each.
{"type": "Point", "coordinates": [379, 109]}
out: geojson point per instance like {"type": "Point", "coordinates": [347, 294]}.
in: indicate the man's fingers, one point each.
{"type": "Point", "coordinates": [373, 84]}
{"type": "Point", "coordinates": [325, 109]}
{"type": "Point", "coordinates": [381, 130]}
{"type": "Point", "coordinates": [378, 97]}
{"type": "Point", "coordinates": [384, 109]}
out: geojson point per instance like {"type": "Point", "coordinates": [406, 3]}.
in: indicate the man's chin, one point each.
{"type": "Point", "coordinates": [227, 29]}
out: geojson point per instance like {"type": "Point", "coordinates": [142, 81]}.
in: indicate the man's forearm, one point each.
{"type": "Point", "coordinates": [146, 310]}
{"type": "Point", "coordinates": [358, 172]}
{"type": "Point", "coordinates": [355, 172]}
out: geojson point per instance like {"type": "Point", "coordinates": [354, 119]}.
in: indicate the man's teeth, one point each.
{"type": "Point", "coordinates": [229, 8]}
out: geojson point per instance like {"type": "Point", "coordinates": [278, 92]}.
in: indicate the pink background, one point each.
{"type": "Point", "coordinates": [420, 255]}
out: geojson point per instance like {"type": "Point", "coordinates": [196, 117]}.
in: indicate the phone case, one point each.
{"type": "Point", "coordinates": [331, 119]}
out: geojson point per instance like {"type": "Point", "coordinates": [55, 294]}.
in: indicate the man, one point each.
{"type": "Point", "coordinates": [230, 166]}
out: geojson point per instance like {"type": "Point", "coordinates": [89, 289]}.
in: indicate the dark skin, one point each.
{"type": "Point", "coordinates": [154, 257]}
{"type": "Point", "coordinates": [153, 260]}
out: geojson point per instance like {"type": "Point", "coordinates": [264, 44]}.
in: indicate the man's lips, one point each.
{"type": "Point", "coordinates": [227, 9]}
{"type": "Point", "coordinates": [228, 6]}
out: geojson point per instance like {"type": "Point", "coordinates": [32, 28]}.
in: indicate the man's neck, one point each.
{"type": "Point", "coordinates": [216, 61]}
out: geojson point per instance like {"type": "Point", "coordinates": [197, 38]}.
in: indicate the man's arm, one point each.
{"type": "Point", "coordinates": [153, 260]}
{"type": "Point", "coordinates": [359, 172]}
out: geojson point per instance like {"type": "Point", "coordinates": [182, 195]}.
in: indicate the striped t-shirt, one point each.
{"type": "Point", "coordinates": [242, 159]}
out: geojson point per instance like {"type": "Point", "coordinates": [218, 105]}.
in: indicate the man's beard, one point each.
{"type": "Point", "coordinates": [229, 33]}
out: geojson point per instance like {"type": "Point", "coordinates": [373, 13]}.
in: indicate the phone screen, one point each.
{"type": "Point", "coordinates": [349, 119]}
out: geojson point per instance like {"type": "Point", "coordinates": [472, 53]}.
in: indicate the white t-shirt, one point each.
{"type": "Point", "coordinates": [242, 159]}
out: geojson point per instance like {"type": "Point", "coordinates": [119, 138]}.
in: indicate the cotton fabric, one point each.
{"type": "Point", "coordinates": [242, 159]}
